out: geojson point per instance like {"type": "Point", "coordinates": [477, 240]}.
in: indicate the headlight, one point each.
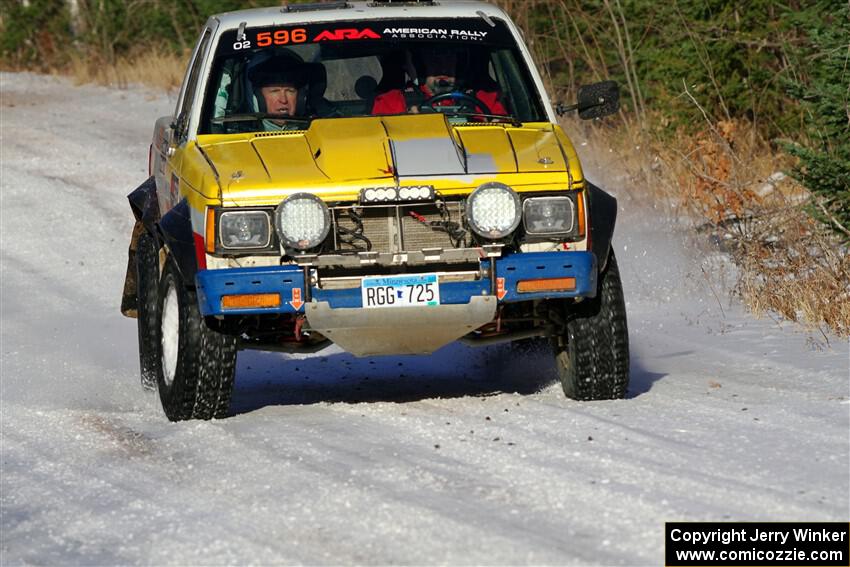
{"type": "Point", "coordinates": [244, 229]}
{"type": "Point", "coordinates": [493, 210]}
{"type": "Point", "coordinates": [544, 216]}
{"type": "Point", "coordinates": [302, 221]}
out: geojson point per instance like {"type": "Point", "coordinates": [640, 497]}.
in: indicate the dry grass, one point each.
{"type": "Point", "coordinates": [789, 267]}
{"type": "Point", "coordinates": [729, 184]}
{"type": "Point", "coordinates": [156, 69]}
{"type": "Point", "coordinates": [732, 181]}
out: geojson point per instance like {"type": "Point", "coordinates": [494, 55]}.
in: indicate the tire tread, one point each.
{"type": "Point", "coordinates": [206, 362]}
{"type": "Point", "coordinates": [147, 283]}
{"type": "Point", "coordinates": [594, 364]}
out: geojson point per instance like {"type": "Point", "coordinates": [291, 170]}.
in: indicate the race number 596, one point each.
{"type": "Point", "coordinates": [281, 37]}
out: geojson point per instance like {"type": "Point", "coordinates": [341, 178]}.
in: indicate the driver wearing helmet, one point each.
{"type": "Point", "coordinates": [438, 70]}
{"type": "Point", "coordinates": [279, 86]}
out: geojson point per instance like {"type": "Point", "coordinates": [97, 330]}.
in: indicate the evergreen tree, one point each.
{"type": "Point", "coordinates": [824, 166]}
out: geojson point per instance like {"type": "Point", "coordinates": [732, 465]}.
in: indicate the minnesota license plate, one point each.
{"type": "Point", "coordinates": [401, 291]}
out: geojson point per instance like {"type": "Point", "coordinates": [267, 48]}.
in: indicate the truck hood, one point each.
{"type": "Point", "coordinates": [378, 150]}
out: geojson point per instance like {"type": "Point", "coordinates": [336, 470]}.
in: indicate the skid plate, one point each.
{"type": "Point", "coordinates": [399, 330]}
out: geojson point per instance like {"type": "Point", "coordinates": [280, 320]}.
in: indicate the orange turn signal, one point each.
{"type": "Point", "coordinates": [580, 199]}
{"type": "Point", "coordinates": [209, 233]}
{"type": "Point", "coordinates": [551, 284]}
{"type": "Point", "coordinates": [250, 301]}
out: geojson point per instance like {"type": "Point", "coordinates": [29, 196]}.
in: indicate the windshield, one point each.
{"type": "Point", "coordinates": [281, 77]}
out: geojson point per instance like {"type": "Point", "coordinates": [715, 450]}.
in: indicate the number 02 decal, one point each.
{"type": "Point", "coordinates": [281, 37]}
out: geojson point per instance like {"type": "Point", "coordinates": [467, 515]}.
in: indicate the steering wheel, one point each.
{"type": "Point", "coordinates": [467, 100]}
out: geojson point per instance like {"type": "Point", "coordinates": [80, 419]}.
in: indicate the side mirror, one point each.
{"type": "Point", "coordinates": [598, 100]}
{"type": "Point", "coordinates": [170, 135]}
{"type": "Point", "coordinates": [170, 132]}
{"type": "Point", "coordinates": [178, 126]}
{"type": "Point", "coordinates": [594, 101]}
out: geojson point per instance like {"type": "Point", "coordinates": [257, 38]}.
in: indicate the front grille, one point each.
{"type": "Point", "coordinates": [394, 229]}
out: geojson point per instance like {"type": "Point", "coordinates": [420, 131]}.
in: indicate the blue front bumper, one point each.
{"type": "Point", "coordinates": [288, 281]}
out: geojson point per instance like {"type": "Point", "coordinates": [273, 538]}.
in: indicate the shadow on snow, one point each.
{"type": "Point", "coordinates": [455, 371]}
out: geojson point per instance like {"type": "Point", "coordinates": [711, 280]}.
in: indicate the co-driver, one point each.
{"type": "Point", "coordinates": [438, 70]}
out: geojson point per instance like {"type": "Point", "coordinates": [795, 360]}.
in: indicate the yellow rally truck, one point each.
{"type": "Point", "coordinates": [386, 176]}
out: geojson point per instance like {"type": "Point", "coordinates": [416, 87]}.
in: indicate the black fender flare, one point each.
{"type": "Point", "coordinates": [174, 228]}
{"type": "Point", "coordinates": [145, 204]}
{"type": "Point", "coordinates": [602, 211]}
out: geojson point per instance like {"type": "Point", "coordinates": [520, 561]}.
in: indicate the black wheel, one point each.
{"type": "Point", "coordinates": [196, 364]}
{"type": "Point", "coordinates": [147, 283]}
{"type": "Point", "coordinates": [592, 355]}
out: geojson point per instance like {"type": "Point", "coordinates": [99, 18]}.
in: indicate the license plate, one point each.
{"type": "Point", "coordinates": [401, 291]}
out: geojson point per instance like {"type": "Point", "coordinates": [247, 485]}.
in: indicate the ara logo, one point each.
{"type": "Point", "coordinates": [346, 33]}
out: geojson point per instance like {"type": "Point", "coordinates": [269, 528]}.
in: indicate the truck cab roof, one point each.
{"type": "Point", "coordinates": [342, 11]}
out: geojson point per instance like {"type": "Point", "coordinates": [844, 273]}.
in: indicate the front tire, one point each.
{"type": "Point", "coordinates": [592, 355]}
{"type": "Point", "coordinates": [147, 282]}
{"type": "Point", "coordinates": [196, 365]}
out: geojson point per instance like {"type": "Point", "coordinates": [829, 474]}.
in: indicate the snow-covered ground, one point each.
{"type": "Point", "coordinates": [466, 456]}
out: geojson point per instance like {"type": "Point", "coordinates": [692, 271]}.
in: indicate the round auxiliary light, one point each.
{"type": "Point", "coordinates": [302, 221]}
{"type": "Point", "coordinates": [493, 210]}
{"type": "Point", "coordinates": [371, 194]}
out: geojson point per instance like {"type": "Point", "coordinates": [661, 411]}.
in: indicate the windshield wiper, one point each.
{"type": "Point", "coordinates": [501, 117]}
{"type": "Point", "coordinates": [252, 116]}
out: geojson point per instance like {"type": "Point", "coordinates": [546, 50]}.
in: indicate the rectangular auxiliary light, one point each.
{"type": "Point", "coordinates": [315, 6]}
{"type": "Point", "coordinates": [550, 284]}
{"type": "Point", "coordinates": [397, 194]}
{"type": "Point", "coordinates": [250, 301]}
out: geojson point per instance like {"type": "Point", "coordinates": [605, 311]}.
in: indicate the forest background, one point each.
{"type": "Point", "coordinates": [735, 115]}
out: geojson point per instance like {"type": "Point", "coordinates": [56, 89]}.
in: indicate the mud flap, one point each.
{"type": "Point", "coordinates": [129, 299]}
{"type": "Point", "coordinates": [143, 202]}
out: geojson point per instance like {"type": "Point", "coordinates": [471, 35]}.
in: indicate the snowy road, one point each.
{"type": "Point", "coordinates": [467, 456]}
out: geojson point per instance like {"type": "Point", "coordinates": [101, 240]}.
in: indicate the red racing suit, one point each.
{"type": "Point", "coordinates": [394, 101]}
